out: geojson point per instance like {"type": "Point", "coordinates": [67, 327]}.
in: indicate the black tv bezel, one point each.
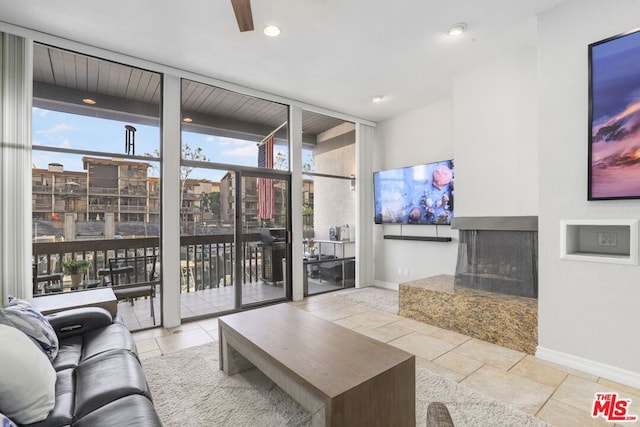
{"type": "Point", "coordinates": [591, 46]}
{"type": "Point", "coordinates": [451, 160]}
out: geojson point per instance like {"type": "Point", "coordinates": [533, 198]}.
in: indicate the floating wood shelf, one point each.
{"type": "Point", "coordinates": [420, 238]}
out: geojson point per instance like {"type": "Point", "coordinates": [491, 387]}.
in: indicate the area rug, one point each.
{"type": "Point", "coordinates": [372, 297]}
{"type": "Point", "coordinates": [189, 390]}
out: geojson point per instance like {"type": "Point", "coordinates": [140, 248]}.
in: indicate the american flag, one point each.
{"type": "Point", "coordinates": [266, 192]}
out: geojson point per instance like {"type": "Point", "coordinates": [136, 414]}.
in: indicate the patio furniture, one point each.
{"type": "Point", "coordinates": [46, 283]}
{"type": "Point", "coordinates": [134, 277]}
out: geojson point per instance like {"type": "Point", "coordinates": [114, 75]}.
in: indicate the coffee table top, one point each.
{"type": "Point", "coordinates": [329, 356]}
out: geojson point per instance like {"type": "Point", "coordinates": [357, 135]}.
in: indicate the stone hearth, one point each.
{"type": "Point", "coordinates": [507, 320]}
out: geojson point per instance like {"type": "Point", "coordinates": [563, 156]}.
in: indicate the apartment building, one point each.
{"type": "Point", "coordinates": [121, 187]}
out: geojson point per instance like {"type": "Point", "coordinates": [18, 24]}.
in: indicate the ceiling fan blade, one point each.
{"type": "Point", "coordinates": [242, 9]}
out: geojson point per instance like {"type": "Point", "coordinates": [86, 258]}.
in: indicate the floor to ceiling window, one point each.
{"type": "Point", "coordinates": [96, 178]}
{"type": "Point", "coordinates": [328, 164]}
{"type": "Point", "coordinates": [96, 183]}
{"type": "Point", "coordinates": [234, 202]}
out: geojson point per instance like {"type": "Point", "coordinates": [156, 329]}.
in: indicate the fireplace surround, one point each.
{"type": "Point", "coordinates": [493, 296]}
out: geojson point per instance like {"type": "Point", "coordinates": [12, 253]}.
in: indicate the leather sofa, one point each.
{"type": "Point", "coordinates": [99, 379]}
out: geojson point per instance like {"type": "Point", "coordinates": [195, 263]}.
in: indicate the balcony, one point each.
{"type": "Point", "coordinates": [38, 188]}
{"type": "Point", "coordinates": [207, 272]}
{"type": "Point", "coordinates": [190, 196]}
{"type": "Point", "coordinates": [102, 190]}
{"type": "Point", "coordinates": [39, 207]}
{"type": "Point", "coordinates": [191, 210]}
{"type": "Point", "coordinates": [102, 208]}
{"type": "Point", "coordinates": [206, 262]}
{"type": "Point", "coordinates": [136, 192]}
{"type": "Point", "coordinates": [138, 209]}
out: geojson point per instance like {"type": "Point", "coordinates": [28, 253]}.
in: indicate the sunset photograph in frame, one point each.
{"type": "Point", "coordinates": [614, 118]}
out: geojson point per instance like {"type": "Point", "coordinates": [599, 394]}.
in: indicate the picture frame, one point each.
{"type": "Point", "coordinates": [614, 118]}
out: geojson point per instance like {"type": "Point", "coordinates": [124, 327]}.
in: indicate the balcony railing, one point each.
{"type": "Point", "coordinates": [205, 261]}
{"type": "Point", "coordinates": [139, 192]}
{"type": "Point", "coordinates": [130, 208]}
{"type": "Point", "coordinates": [102, 208]}
{"type": "Point", "coordinates": [101, 190]}
{"type": "Point", "coordinates": [38, 188]}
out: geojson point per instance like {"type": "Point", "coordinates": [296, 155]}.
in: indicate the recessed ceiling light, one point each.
{"type": "Point", "coordinates": [187, 120]}
{"type": "Point", "coordinates": [457, 29]}
{"type": "Point", "coordinates": [377, 98]}
{"type": "Point", "coordinates": [271, 30]}
{"type": "Point", "coordinates": [89, 101]}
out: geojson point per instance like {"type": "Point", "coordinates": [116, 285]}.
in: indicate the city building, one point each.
{"type": "Point", "coordinates": [106, 187]}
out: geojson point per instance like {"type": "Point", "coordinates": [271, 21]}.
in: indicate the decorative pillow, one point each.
{"type": "Point", "coordinates": [21, 314]}
{"type": "Point", "coordinates": [27, 378]}
{"type": "Point", "coordinates": [6, 422]}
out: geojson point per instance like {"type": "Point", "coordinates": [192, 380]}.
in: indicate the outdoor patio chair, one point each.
{"type": "Point", "coordinates": [134, 277]}
{"type": "Point", "coordinates": [46, 283]}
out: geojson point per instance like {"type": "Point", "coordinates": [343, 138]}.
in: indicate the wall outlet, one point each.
{"type": "Point", "coordinates": [608, 239]}
{"type": "Point", "coordinates": [406, 272]}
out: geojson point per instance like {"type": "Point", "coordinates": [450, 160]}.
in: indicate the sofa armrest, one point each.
{"type": "Point", "coordinates": [79, 321]}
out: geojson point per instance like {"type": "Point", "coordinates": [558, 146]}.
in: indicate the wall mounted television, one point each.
{"type": "Point", "coordinates": [421, 194]}
{"type": "Point", "coordinates": [614, 118]}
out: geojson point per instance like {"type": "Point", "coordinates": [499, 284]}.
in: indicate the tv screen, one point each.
{"type": "Point", "coordinates": [420, 194]}
{"type": "Point", "coordinates": [614, 118]}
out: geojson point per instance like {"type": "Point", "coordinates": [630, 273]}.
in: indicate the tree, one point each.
{"type": "Point", "coordinates": [188, 153]}
{"type": "Point", "coordinates": [210, 202]}
{"type": "Point", "coordinates": [197, 155]}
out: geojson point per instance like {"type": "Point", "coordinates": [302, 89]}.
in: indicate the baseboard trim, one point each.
{"type": "Point", "coordinates": [603, 370]}
{"type": "Point", "coordinates": [386, 285]}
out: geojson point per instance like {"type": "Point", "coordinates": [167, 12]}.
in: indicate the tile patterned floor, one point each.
{"type": "Point", "coordinates": [558, 395]}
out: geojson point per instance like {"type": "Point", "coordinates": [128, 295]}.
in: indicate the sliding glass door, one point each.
{"type": "Point", "coordinates": [265, 239]}
{"type": "Point", "coordinates": [234, 201]}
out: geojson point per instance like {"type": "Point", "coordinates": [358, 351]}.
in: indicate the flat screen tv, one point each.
{"type": "Point", "coordinates": [614, 118]}
{"type": "Point", "coordinates": [421, 194]}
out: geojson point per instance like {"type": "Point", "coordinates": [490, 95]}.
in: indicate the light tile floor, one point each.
{"type": "Point", "coordinates": [558, 395]}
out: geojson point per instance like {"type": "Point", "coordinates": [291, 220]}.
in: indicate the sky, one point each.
{"type": "Point", "coordinates": [615, 77]}
{"type": "Point", "coordinates": [64, 130]}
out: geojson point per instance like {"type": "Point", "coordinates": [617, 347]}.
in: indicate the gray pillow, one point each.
{"type": "Point", "coordinates": [21, 315]}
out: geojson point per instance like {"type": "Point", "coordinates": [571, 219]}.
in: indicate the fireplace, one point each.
{"type": "Point", "coordinates": [498, 254]}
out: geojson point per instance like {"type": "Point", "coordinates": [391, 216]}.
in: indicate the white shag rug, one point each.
{"type": "Point", "coordinates": [188, 389]}
{"type": "Point", "coordinates": [372, 297]}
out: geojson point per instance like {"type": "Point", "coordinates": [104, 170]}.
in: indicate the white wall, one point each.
{"type": "Point", "coordinates": [490, 129]}
{"type": "Point", "coordinates": [334, 202]}
{"type": "Point", "coordinates": [496, 137]}
{"type": "Point", "coordinates": [420, 136]}
{"type": "Point", "coordinates": [587, 310]}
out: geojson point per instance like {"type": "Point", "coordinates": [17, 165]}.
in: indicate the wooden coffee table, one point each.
{"type": "Point", "coordinates": [343, 378]}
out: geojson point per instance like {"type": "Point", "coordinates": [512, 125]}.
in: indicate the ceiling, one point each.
{"type": "Point", "coordinates": [332, 54]}
{"type": "Point", "coordinates": [62, 79]}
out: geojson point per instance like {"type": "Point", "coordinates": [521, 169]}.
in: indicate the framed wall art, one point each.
{"type": "Point", "coordinates": [614, 118]}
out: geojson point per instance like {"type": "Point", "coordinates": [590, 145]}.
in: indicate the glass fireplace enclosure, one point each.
{"type": "Point", "coordinates": [501, 261]}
